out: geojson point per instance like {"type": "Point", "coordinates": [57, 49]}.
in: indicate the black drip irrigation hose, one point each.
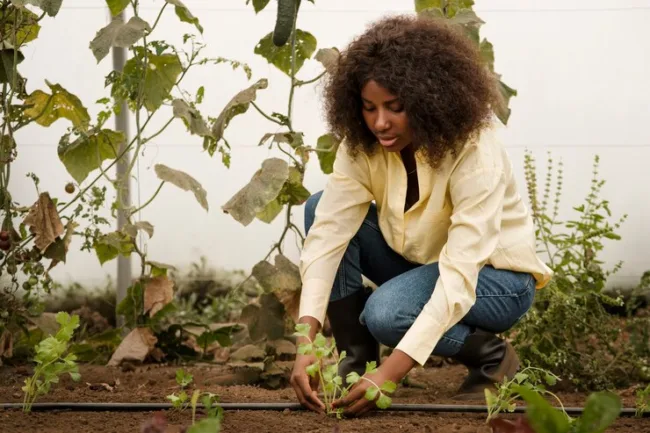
{"type": "Point", "coordinates": [146, 407]}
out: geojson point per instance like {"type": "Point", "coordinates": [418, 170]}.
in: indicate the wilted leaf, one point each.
{"type": "Point", "coordinates": [328, 57]}
{"type": "Point", "coordinates": [118, 34]}
{"type": "Point", "coordinates": [46, 322]}
{"type": "Point", "coordinates": [270, 212]}
{"type": "Point", "coordinates": [264, 186]}
{"type": "Point", "coordinates": [238, 104]}
{"type": "Point", "coordinates": [111, 245]}
{"type": "Point", "coordinates": [56, 251]}
{"type": "Point", "coordinates": [487, 53]}
{"type": "Point", "coordinates": [43, 220]}
{"type": "Point", "coordinates": [135, 347]}
{"type": "Point", "coordinates": [421, 5]}
{"type": "Point", "coordinates": [132, 229]}
{"type": "Point", "coordinates": [327, 146]}
{"type": "Point", "coordinates": [159, 269]}
{"type": "Point", "coordinates": [265, 321]}
{"type": "Point", "coordinates": [283, 349]}
{"type": "Point", "coordinates": [280, 57]}
{"type": "Point", "coordinates": [6, 344]}
{"type": "Point", "coordinates": [51, 7]}
{"type": "Point", "coordinates": [160, 78]}
{"type": "Point", "coordinates": [285, 275]}
{"type": "Point", "coordinates": [87, 153]}
{"type": "Point", "coordinates": [184, 14]}
{"type": "Point", "coordinates": [248, 353]}
{"type": "Point", "coordinates": [184, 181]}
{"type": "Point", "coordinates": [26, 27]}
{"type": "Point", "coordinates": [47, 109]}
{"type": "Point", "coordinates": [117, 6]}
{"type": "Point", "coordinates": [193, 119]}
{"type": "Point", "coordinates": [158, 292]}
{"type": "Point", "coordinates": [502, 109]}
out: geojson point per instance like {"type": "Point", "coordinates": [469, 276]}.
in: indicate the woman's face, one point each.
{"type": "Point", "coordinates": [385, 116]}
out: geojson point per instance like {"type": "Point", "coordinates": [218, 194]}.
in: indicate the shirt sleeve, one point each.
{"type": "Point", "coordinates": [477, 189]}
{"type": "Point", "coordinates": [340, 212]}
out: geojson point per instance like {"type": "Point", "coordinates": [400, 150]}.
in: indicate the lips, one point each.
{"type": "Point", "coordinates": [387, 141]}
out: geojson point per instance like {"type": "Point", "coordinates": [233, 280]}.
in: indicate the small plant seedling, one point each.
{"type": "Point", "coordinates": [642, 401]}
{"type": "Point", "coordinates": [331, 382]}
{"type": "Point", "coordinates": [530, 378]}
{"type": "Point", "coordinates": [50, 361]}
{"type": "Point", "coordinates": [183, 378]}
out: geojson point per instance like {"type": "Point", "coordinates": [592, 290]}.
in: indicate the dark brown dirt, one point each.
{"type": "Point", "coordinates": [154, 383]}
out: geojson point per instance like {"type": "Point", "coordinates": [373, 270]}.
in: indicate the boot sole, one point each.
{"type": "Point", "coordinates": [508, 368]}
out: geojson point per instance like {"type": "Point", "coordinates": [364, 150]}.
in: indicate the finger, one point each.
{"type": "Point", "coordinates": [309, 394]}
{"type": "Point", "coordinates": [303, 401]}
{"type": "Point", "coordinates": [358, 408]}
{"type": "Point", "coordinates": [353, 396]}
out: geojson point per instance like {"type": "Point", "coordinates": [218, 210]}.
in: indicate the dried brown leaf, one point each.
{"type": "Point", "coordinates": [135, 347]}
{"type": "Point", "coordinates": [6, 345]}
{"type": "Point", "coordinates": [43, 220]}
{"type": "Point", "coordinates": [158, 292]}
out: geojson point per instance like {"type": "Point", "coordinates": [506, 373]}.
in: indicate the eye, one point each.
{"type": "Point", "coordinates": [397, 108]}
{"type": "Point", "coordinates": [365, 108]}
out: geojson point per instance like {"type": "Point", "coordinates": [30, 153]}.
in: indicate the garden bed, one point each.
{"type": "Point", "coordinates": [152, 383]}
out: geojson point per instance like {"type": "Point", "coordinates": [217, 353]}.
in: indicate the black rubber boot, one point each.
{"type": "Point", "coordinates": [350, 335]}
{"type": "Point", "coordinates": [488, 359]}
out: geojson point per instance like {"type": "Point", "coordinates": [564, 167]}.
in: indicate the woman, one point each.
{"type": "Point", "coordinates": [423, 202]}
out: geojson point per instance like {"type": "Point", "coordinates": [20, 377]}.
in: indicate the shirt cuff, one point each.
{"type": "Point", "coordinates": [314, 299]}
{"type": "Point", "coordinates": [421, 338]}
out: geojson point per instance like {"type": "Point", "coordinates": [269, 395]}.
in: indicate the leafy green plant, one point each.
{"type": "Point", "coordinates": [530, 378]}
{"type": "Point", "coordinates": [52, 361]}
{"type": "Point", "coordinates": [642, 401]}
{"type": "Point", "coordinates": [568, 330]}
{"type": "Point", "coordinates": [601, 410]}
{"type": "Point", "coordinates": [326, 369]}
{"type": "Point", "coordinates": [214, 411]}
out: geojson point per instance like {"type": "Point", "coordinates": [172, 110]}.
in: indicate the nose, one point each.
{"type": "Point", "coordinates": [382, 122]}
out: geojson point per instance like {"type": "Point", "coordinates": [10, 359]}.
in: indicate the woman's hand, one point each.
{"type": "Point", "coordinates": [306, 387]}
{"type": "Point", "coordinates": [394, 368]}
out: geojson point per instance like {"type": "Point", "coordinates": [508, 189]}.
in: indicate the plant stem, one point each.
{"type": "Point", "coordinates": [293, 74]}
{"type": "Point", "coordinates": [150, 200]}
{"type": "Point", "coordinates": [265, 115]}
{"type": "Point", "coordinates": [158, 18]}
{"type": "Point", "coordinates": [313, 80]}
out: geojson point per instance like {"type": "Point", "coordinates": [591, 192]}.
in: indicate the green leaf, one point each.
{"type": "Point", "coordinates": [132, 229]}
{"type": "Point", "coordinates": [305, 348]}
{"type": "Point", "coordinates": [117, 6]}
{"type": "Point", "coordinates": [327, 146]}
{"type": "Point", "coordinates": [160, 78]}
{"type": "Point", "coordinates": [320, 340]}
{"type": "Point", "coordinates": [389, 386]}
{"type": "Point", "coordinates": [237, 105]}
{"type": "Point", "coordinates": [270, 212]}
{"type": "Point", "coordinates": [371, 367]}
{"type": "Point", "coordinates": [487, 53]}
{"type": "Point", "coordinates": [184, 14]}
{"type": "Point", "coordinates": [520, 377]}
{"type": "Point", "coordinates": [87, 153]}
{"type": "Point", "coordinates": [259, 5]}
{"type": "Point", "coordinates": [421, 5]}
{"type": "Point", "coordinates": [26, 27]}
{"type": "Point", "coordinates": [132, 305]}
{"type": "Point", "coordinates": [384, 401]}
{"type": "Point", "coordinates": [68, 325]}
{"type": "Point", "coordinates": [293, 192]}
{"type": "Point", "coordinates": [159, 269]}
{"type": "Point", "coordinates": [184, 181]}
{"type": "Point", "coordinates": [191, 117]}
{"type": "Point", "coordinates": [51, 7]}
{"type": "Point", "coordinates": [550, 379]}
{"type": "Point", "coordinates": [207, 425]}
{"type": "Point", "coordinates": [501, 109]}
{"type": "Point", "coordinates": [222, 336]}
{"type": "Point", "coordinates": [264, 187]}
{"type": "Point", "coordinates": [111, 245]}
{"type": "Point", "coordinates": [118, 34]}
{"type": "Point", "coordinates": [75, 376]}
{"type": "Point", "coordinates": [601, 410]}
{"type": "Point", "coordinates": [541, 415]}
{"type": "Point", "coordinates": [280, 57]}
{"type": "Point", "coordinates": [352, 377]}
{"type": "Point", "coordinates": [312, 370]}
{"type": "Point", "coordinates": [371, 393]}
{"type": "Point", "coordinates": [46, 109]}
{"type": "Point", "coordinates": [302, 329]}
{"type": "Point", "coordinates": [56, 250]}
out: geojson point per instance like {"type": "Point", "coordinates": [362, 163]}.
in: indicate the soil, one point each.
{"type": "Point", "coordinates": [152, 383]}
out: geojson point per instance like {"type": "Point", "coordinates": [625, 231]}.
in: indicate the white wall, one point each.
{"type": "Point", "coordinates": [580, 67]}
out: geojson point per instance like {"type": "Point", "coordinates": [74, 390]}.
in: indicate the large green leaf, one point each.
{"type": "Point", "coordinates": [258, 5]}
{"type": "Point", "coordinates": [26, 23]}
{"type": "Point", "coordinates": [326, 148]}
{"type": "Point", "coordinates": [51, 7]}
{"type": "Point", "coordinates": [46, 109]}
{"type": "Point", "coordinates": [160, 78]}
{"type": "Point", "coordinates": [117, 6]}
{"type": "Point", "coordinates": [601, 410]}
{"type": "Point", "coordinates": [543, 417]}
{"type": "Point", "coordinates": [118, 34]}
{"type": "Point", "coordinates": [421, 5]}
{"type": "Point", "coordinates": [237, 105]}
{"type": "Point", "coordinates": [108, 247]}
{"type": "Point", "coordinates": [280, 57]}
{"type": "Point", "coordinates": [184, 181]}
{"type": "Point", "coordinates": [88, 152]}
{"type": "Point", "coordinates": [264, 187]}
{"type": "Point", "coordinates": [293, 191]}
{"type": "Point", "coordinates": [487, 53]}
{"type": "Point", "coordinates": [184, 14]}
{"type": "Point", "coordinates": [9, 59]}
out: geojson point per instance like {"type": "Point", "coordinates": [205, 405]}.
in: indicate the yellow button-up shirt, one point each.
{"type": "Point", "coordinates": [469, 214]}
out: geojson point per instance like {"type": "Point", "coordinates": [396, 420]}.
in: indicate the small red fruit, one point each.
{"type": "Point", "coordinates": [5, 245]}
{"type": "Point", "coordinates": [4, 235]}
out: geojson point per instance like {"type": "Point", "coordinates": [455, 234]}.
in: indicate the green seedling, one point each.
{"type": "Point", "coordinates": [530, 378]}
{"type": "Point", "coordinates": [183, 379]}
{"type": "Point", "coordinates": [51, 362]}
{"type": "Point", "coordinates": [330, 381]}
{"type": "Point", "coordinates": [642, 401]}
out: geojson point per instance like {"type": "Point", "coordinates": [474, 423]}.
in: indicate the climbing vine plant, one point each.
{"type": "Point", "coordinates": [36, 237]}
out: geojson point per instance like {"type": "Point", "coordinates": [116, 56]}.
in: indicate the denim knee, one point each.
{"type": "Point", "coordinates": [382, 319]}
{"type": "Point", "coordinates": [310, 209]}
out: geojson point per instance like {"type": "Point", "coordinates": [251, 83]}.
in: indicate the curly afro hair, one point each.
{"type": "Point", "coordinates": [435, 71]}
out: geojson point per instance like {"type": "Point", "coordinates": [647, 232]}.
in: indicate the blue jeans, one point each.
{"type": "Point", "coordinates": [502, 297]}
